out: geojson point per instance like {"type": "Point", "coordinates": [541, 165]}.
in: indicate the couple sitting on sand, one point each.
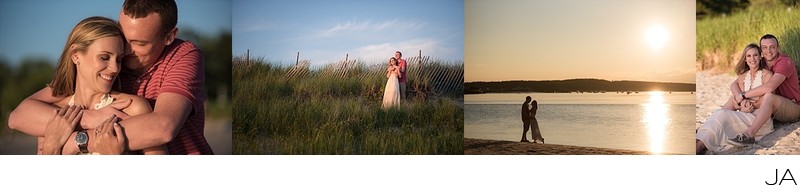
{"type": "Point", "coordinates": [767, 87]}
{"type": "Point", "coordinates": [529, 121]}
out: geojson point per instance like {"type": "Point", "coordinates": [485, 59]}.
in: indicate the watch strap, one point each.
{"type": "Point", "coordinates": [84, 147]}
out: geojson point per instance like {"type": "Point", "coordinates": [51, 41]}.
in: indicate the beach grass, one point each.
{"type": "Point", "coordinates": [281, 109]}
{"type": "Point", "coordinates": [720, 39]}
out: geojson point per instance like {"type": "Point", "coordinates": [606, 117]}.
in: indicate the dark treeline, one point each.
{"type": "Point", "coordinates": [217, 59]}
{"type": "Point", "coordinates": [707, 8]}
{"type": "Point", "coordinates": [573, 85]}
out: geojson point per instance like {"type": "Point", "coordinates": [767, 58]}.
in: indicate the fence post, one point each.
{"type": "Point", "coordinates": [343, 72]}
{"type": "Point", "coordinates": [297, 62]}
{"type": "Point", "coordinates": [247, 57]}
{"type": "Point", "coordinates": [419, 63]}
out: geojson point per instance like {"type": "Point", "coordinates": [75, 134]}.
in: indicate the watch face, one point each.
{"type": "Point", "coordinates": [81, 138]}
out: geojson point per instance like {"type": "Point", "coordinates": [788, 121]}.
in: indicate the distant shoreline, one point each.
{"type": "Point", "coordinates": [582, 92]}
{"type": "Point", "coordinates": [574, 85]}
{"type": "Point", "coordinates": [498, 147]}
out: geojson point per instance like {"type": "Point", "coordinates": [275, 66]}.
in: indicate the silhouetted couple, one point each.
{"type": "Point", "coordinates": [529, 121]}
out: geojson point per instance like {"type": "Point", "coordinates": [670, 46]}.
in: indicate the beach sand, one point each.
{"type": "Point", "coordinates": [496, 147]}
{"type": "Point", "coordinates": [713, 90]}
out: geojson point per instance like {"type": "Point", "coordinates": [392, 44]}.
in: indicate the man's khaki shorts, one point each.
{"type": "Point", "coordinates": [787, 111]}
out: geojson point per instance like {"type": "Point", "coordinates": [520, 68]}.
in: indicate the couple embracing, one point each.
{"type": "Point", "coordinates": [529, 121]}
{"type": "Point", "coordinates": [127, 87]}
{"type": "Point", "coordinates": [767, 87]}
{"type": "Point", "coordinates": [396, 83]}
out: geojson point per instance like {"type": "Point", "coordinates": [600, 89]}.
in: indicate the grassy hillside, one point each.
{"type": "Point", "coordinates": [279, 109]}
{"type": "Point", "coordinates": [720, 39]}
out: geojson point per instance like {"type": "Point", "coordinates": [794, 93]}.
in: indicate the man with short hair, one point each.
{"type": "Point", "coordinates": [526, 119]}
{"type": "Point", "coordinates": [784, 103]}
{"type": "Point", "coordinates": [165, 70]}
{"type": "Point", "coordinates": [402, 63]}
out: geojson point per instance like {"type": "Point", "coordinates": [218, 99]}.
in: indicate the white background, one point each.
{"type": "Point", "coordinates": [458, 173]}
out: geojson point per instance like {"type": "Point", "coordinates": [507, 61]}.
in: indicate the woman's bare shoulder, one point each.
{"type": "Point", "coordinates": [740, 78]}
{"type": "Point", "coordinates": [138, 105]}
{"type": "Point", "coordinates": [766, 75]}
{"type": "Point", "coordinates": [63, 102]}
{"type": "Point", "coordinates": [766, 72]}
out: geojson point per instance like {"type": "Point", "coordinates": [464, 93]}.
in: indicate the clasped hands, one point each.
{"type": "Point", "coordinates": [746, 105]}
{"type": "Point", "coordinates": [106, 136]}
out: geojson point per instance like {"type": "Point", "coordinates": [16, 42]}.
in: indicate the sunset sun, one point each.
{"type": "Point", "coordinates": [656, 36]}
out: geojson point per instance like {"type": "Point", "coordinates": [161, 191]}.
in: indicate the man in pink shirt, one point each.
{"type": "Point", "coordinates": [402, 63]}
{"type": "Point", "coordinates": [165, 70]}
{"type": "Point", "coordinates": [784, 103]}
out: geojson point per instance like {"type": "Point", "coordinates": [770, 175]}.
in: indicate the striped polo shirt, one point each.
{"type": "Point", "coordinates": [179, 70]}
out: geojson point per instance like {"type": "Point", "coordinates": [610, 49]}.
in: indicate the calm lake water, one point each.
{"type": "Point", "coordinates": [658, 122]}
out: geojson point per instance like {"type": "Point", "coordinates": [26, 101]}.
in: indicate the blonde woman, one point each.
{"type": "Point", "coordinates": [391, 94]}
{"type": "Point", "coordinates": [725, 123]}
{"type": "Point", "coordinates": [86, 73]}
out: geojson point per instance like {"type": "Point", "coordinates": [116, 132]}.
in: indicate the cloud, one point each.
{"type": "Point", "coordinates": [368, 26]}
{"type": "Point", "coordinates": [375, 42]}
{"type": "Point", "coordinates": [381, 52]}
{"type": "Point", "coordinates": [384, 51]}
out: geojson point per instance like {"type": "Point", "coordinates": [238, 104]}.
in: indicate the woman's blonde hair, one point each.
{"type": "Point", "coordinates": [82, 35]}
{"type": "Point", "coordinates": [742, 66]}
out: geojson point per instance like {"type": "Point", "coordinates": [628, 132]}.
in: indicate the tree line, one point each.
{"type": "Point", "coordinates": [573, 85]}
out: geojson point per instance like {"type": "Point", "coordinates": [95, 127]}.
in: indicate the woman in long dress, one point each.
{"type": "Point", "coordinates": [726, 123]}
{"type": "Point", "coordinates": [391, 94]}
{"type": "Point", "coordinates": [537, 134]}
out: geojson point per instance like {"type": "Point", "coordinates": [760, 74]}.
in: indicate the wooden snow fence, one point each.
{"type": "Point", "coordinates": [425, 77]}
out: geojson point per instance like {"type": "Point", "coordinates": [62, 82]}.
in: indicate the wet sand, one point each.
{"type": "Point", "coordinates": [496, 147]}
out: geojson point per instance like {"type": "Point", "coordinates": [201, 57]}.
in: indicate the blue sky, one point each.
{"type": "Point", "coordinates": [324, 31]}
{"type": "Point", "coordinates": [39, 28]}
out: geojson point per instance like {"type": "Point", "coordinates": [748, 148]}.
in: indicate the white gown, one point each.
{"type": "Point", "coordinates": [725, 124]}
{"type": "Point", "coordinates": [391, 94]}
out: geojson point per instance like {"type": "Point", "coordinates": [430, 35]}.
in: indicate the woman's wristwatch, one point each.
{"type": "Point", "coordinates": [82, 139]}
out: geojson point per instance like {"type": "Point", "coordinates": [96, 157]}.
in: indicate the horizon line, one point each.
{"type": "Point", "coordinates": [583, 79]}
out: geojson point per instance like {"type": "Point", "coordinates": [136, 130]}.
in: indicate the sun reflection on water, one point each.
{"type": "Point", "coordinates": [656, 119]}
